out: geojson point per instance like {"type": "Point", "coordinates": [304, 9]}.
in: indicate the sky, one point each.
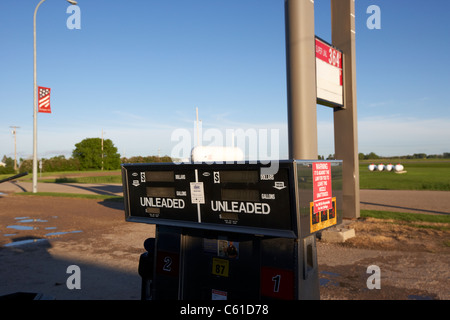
{"type": "Point", "coordinates": [137, 70]}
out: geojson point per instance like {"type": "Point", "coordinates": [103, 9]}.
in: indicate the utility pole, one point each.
{"type": "Point", "coordinates": [15, 147]}
{"type": "Point", "coordinates": [102, 149]}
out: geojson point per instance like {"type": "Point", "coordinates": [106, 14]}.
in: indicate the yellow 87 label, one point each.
{"type": "Point", "coordinates": [220, 267]}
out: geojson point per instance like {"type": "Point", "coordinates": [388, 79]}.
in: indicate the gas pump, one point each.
{"type": "Point", "coordinates": [231, 231]}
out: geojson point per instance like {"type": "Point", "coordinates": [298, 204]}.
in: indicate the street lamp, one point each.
{"type": "Point", "coordinates": [73, 2]}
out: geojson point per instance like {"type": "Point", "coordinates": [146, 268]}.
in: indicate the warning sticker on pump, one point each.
{"type": "Point", "coordinates": [322, 219]}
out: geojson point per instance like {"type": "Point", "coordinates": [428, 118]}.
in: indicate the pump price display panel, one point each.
{"type": "Point", "coordinates": [239, 198]}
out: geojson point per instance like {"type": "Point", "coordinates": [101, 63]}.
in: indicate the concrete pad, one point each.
{"type": "Point", "coordinates": [337, 234]}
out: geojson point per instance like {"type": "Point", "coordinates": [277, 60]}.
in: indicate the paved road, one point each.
{"type": "Point", "coordinates": [82, 188]}
{"type": "Point", "coordinates": [416, 201]}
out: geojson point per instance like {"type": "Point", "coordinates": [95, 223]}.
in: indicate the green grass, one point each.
{"type": "Point", "coordinates": [406, 217]}
{"type": "Point", "coordinates": [420, 175]}
{"type": "Point", "coordinates": [432, 174]}
{"type": "Point", "coordinates": [74, 195]}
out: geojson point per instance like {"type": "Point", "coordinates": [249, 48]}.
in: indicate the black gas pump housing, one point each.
{"type": "Point", "coordinates": [234, 231]}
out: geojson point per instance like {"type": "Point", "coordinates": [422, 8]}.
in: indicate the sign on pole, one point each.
{"type": "Point", "coordinates": [329, 75]}
{"type": "Point", "coordinates": [44, 100]}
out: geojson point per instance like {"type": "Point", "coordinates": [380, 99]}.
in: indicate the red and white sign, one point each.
{"type": "Point", "coordinates": [44, 100]}
{"type": "Point", "coordinates": [322, 186]}
{"type": "Point", "coordinates": [329, 74]}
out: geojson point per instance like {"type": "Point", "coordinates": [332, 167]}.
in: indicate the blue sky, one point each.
{"type": "Point", "coordinates": [139, 69]}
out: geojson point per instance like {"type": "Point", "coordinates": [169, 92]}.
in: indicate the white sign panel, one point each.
{"type": "Point", "coordinates": [197, 193]}
{"type": "Point", "coordinates": [329, 74]}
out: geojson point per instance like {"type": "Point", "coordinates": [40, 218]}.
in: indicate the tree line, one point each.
{"type": "Point", "coordinates": [88, 154]}
{"type": "Point", "coordinates": [374, 156]}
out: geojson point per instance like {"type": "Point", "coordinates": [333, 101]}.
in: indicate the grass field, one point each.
{"type": "Point", "coordinates": [420, 175]}
{"type": "Point", "coordinates": [408, 217]}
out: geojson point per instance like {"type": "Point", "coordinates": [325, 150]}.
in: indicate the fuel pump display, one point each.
{"type": "Point", "coordinates": [231, 231]}
{"type": "Point", "coordinates": [229, 198]}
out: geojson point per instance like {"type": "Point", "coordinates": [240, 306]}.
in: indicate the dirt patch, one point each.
{"type": "Point", "coordinates": [400, 236]}
{"type": "Point", "coordinates": [413, 259]}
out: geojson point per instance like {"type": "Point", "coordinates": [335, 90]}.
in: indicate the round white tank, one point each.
{"type": "Point", "coordinates": [380, 167]}
{"type": "Point", "coordinates": [372, 167]}
{"type": "Point", "coordinates": [389, 167]}
{"type": "Point", "coordinates": [399, 167]}
{"type": "Point", "coordinates": [214, 154]}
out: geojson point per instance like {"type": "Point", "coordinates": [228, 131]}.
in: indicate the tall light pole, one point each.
{"type": "Point", "coordinates": [73, 2]}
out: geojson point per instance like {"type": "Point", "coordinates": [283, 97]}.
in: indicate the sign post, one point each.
{"type": "Point", "coordinates": [345, 119]}
{"type": "Point", "coordinates": [301, 79]}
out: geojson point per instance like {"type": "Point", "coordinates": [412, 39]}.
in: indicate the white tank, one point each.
{"type": "Point", "coordinates": [372, 167]}
{"type": "Point", "coordinates": [399, 167]}
{"type": "Point", "coordinates": [214, 154]}
{"type": "Point", "coordinates": [380, 167]}
{"type": "Point", "coordinates": [389, 167]}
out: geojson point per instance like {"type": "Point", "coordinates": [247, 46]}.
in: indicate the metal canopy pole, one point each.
{"type": "Point", "coordinates": [301, 79]}
{"type": "Point", "coordinates": [345, 120]}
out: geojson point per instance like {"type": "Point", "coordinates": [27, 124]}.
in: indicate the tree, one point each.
{"type": "Point", "coordinates": [372, 156]}
{"type": "Point", "coordinates": [9, 165]}
{"type": "Point", "coordinates": [89, 154]}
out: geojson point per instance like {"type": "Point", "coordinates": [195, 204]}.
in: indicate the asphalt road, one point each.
{"type": "Point", "coordinates": [415, 201]}
{"type": "Point", "coordinates": [81, 188]}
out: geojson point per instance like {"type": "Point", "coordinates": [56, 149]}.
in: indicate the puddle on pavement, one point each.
{"type": "Point", "coordinates": [29, 227]}
{"type": "Point", "coordinates": [31, 220]}
{"type": "Point", "coordinates": [21, 227]}
{"type": "Point", "coordinates": [23, 242]}
{"type": "Point", "coordinates": [61, 233]}
{"type": "Point", "coordinates": [330, 280]}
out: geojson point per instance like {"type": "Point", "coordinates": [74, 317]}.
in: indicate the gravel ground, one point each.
{"type": "Point", "coordinates": [93, 234]}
